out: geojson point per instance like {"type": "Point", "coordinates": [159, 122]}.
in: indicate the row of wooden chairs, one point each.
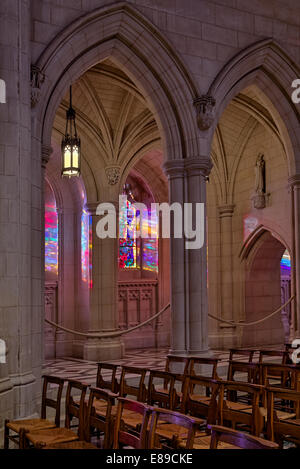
{"type": "Point", "coordinates": [154, 421]}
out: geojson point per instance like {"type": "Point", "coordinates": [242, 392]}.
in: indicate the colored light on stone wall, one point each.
{"type": "Point", "coordinates": [51, 239]}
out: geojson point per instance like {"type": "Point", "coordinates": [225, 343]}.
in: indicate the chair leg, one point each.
{"type": "Point", "coordinates": [6, 435]}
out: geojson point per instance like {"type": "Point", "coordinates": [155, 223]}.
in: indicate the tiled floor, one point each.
{"type": "Point", "coordinates": [148, 358]}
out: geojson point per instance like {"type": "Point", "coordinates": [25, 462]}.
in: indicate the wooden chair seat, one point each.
{"type": "Point", "coordinates": [280, 414]}
{"type": "Point", "coordinates": [165, 391]}
{"type": "Point", "coordinates": [203, 442]}
{"type": "Point", "coordinates": [72, 445]}
{"type": "Point", "coordinates": [239, 406]}
{"type": "Point", "coordinates": [52, 436]}
{"type": "Point", "coordinates": [203, 399]}
{"type": "Point", "coordinates": [30, 425]}
{"type": "Point", "coordinates": [169, 430]}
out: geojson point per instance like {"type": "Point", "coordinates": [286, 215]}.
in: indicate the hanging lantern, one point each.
{"type": "Point", "coordinates": [70, 146]}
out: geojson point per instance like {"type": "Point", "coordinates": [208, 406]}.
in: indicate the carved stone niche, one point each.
{"type": "Point", "coordinates": [205, 107]}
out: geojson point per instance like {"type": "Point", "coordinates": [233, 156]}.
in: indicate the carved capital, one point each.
{"type": "Point", "coordinates": [226, 210]}
{"type": "Point", "coordinates": [174, 168]}
{"type": "Point", "coordinates": [198, 166]}
{"type": "Point", "coordinates": [205, 107]}
{"type": "Point", "coordinates": [46, 153]}
{"type": "Point", "coordinates": [37, 78]}
{"type": "Point", "coordinates": [112, 174]}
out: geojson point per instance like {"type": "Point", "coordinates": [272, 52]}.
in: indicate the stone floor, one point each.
{"type": "Point", "coordinates": [147, 358]}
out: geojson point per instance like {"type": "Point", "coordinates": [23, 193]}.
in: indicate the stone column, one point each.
{"type": "Point", "coordinates": [197, 171]}
{"type": "Point", "coordinates": [187, 183]}
{"type": "Point", "coordinates": [294, 182]}
{"type": "Point", "coordinates": [225, 214]}
{"type": "Point", "coordinates": [179, 330]}
{"type": "Point", "coordinates": [103, 295]}
{"type": "Point", "coordinates": [17, 393]}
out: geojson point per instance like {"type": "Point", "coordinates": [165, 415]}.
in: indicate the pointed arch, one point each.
{"type": "Point", "coordinates": [264, 63]}
{"type": "Point", "coordinates": [137, 47]}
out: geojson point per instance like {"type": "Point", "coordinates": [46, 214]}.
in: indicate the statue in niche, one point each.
{"type": "Point", "coordinates": [259, 198]}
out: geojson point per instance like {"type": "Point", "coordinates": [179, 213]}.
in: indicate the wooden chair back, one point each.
{"type": "Point", "coordinates": [112, 383]}
{"type": "Point", "coordinates": [236, 413]}
{"type": "Point", "coordinates": [166, 399]}
{"type": "Point", "coordinates": [139, 390]}
{"type": "Point", "coordinates": [266, 354]}
{"type": "Point", "coordinates": [287, 375]}
{"type": "Point", "coordinates": [239, 439]}
{"type": "Point", "coordinates": [278, 429]}
{"type": "Point", "coordinates": [192, 424]}
{"type": "Point", "coordinates": [245, 353]}
{"type": "Point", "coordinates": [122, 436]}
{"type": "Point", "coordinates": [177, 365]}
{"type": "Point", "coordinates": [199, 405]}
{"type": "Point", "coordinates": [250, 370]}
{"type": "Point", "coordinates": [75, 408]}
{"type": "Point", "coordinates": [102, 423]}
{"type": "Point", "coordinates": [210, 362]}
{"type": "Point", "coordinates": [50, 402]}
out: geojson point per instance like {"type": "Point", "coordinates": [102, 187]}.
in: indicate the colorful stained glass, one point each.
{"type": "Point", "coordinates": [285, 262]}
{"type": "Point", "coordinates": [150, 244]}
{"type": "Point", "coordinates": [128, 226]}
{"type": "Point", "coordinates": [90, 251]}
{"type": "Point", "coordinates": [85, 259]}
{"type": "Point", "coordinates": [51, 239]}
{"type": "Point", "coordinates": [130, 244]}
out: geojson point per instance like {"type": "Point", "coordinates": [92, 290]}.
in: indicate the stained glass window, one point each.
{"type": "Point", "coordinates": [150, 244]}
{"type": "Point", "coordinates": [285, 262]}
{"type": "Point", "coordinates": [128, 225]}
{"type": "Point", "coordinates": [51, 239]}
{"type": "Point", "coordinates": [130, 246]}
{"type": "Point", "coordinates": [86, 247]}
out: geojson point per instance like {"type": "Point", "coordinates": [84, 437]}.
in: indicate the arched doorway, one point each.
{"type": "Point", "coordinates": [263, 293]}
{"type": "Point", "coordinates": [135, 55]}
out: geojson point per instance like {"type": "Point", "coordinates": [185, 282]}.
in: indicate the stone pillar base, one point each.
{"type": "Point", "coordinates": [103, 349]}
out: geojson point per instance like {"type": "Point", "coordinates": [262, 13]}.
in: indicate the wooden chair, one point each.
{"type": "Point", "coordinates": [138, 391]}
{"type": "Point", "coordinates": [237, 439]}
{"type": "Point", "coordinates": [111, 384]}
{"type": "Point", "coordinates": [279, 357]}
{"type": "Point", "coordinates": [175, 428]}
{"type": "Point", "coordinates": [245, 353]}
{"type": "Point", "coordinates": [247, 372]}
{"type": "Point", "coordinates": [166, 397]}
{"type": "Point", "coordinates": [234, 412]}
{"type": "Point", "coordinates": [197, 403]}
{"type": "Point", "coordinates": [124, 436]}
{"type": "Point", "coordinates": [179, 366]}
{"type": "Point", "coordinates": [210, 363]}
{"type": "Point", "coordinates": [38, 423]}
{"type": "Point", "coordinates": [286, 377]}
{"type": "Point", "coordinates": [283, 427]}
{"type": "Point", "coordinates": [45, 437]}
{"type": "Point", "coordinates": [251, 371]}
{"type": "Point", "coordinates": [94, 421]}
